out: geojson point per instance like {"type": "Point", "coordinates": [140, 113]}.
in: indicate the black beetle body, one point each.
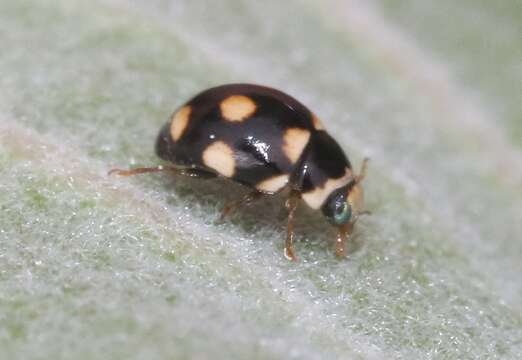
{"type": "Point", "coordinates": [268, 141]}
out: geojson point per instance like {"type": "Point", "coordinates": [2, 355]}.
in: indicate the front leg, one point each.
{"type": "Point", "coordinates": [343, 234]}
{"type": "Point", "coordinates": [291, 205]}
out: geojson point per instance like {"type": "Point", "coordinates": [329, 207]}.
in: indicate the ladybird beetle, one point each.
{"type": "Point", "coordinates": [268, 141]}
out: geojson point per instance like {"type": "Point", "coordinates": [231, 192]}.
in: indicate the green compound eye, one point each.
{"type": "Point", "coordinates": [343, 213]}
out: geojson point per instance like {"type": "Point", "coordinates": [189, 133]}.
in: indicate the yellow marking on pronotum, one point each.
{"type": "Point", "coordinates": [318, 125]}
{"type": "Point", "coordinates": [317, 196]}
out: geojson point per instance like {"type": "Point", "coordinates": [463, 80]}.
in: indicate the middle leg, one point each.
{"type": "Point", "coordinates": [232, 206]}
{"type": "Point", "coordinates": [291, 205]}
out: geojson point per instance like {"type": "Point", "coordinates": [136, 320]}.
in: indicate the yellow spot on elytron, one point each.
{"type": "Point", "coordinates": [295, 140]}
{"type": "Point", "coordinates": [220, 157]}
{"type": "Point", "coordinates": [179, 122]}
{"type": "Point", "coordinates": [273, 184]}
{"type": "Point", "coordinates": [318, 125]}
{"type": "Point", "coordinates": [317, 196]}
{"type": "Point", "coordinates": [237, 108]}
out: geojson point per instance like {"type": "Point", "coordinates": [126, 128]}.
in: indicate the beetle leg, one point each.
{"type": "Point", "coordinates": [143, 170]}
{"type": "Point", "coordinates": [197, 173]}
{"type": "Point", "coordinates": [291, 205]}
{"type": "Point", "coordinates": [340, 243]}
{"type": "Point", "coordinates": [232, 206]}
{"type": "Point", "coordinates": [182, 171]}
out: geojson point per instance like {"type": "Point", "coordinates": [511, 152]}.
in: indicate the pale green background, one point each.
{"type": "Point", "coordinates": [95, 267]}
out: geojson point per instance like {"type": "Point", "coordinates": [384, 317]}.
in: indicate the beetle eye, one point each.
{"type": "Point", "coordinates": [343, 213]}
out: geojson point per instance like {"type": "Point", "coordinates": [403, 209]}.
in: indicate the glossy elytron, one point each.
{"type": "Point", "coordinates": [268, 141]}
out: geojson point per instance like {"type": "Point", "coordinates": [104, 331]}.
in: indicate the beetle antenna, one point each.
{"type": "Point", "coordinates": [363, 171]}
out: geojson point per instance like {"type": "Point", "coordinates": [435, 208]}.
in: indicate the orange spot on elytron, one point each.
{"type": "Point", "coordinates": [237, 108]}
{"type": "Point", "coordinates": [179, 122]}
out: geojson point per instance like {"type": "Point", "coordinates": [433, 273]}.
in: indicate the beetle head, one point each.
{"type": "Point", "coordinates": [344, 204]}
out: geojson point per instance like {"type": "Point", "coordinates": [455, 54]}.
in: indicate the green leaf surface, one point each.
{"type": "Point", "coordinates": [94, 267]}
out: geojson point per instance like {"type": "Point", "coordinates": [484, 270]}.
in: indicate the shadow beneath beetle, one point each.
{"type": "Point", "coordinates": [311, 228]}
